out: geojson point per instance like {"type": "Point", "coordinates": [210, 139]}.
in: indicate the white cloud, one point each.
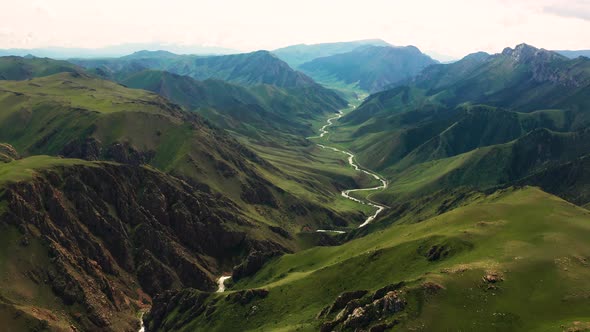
{"type": "Point", "coordinates": [454, 27]}
{"type": "Point", "coordinates": [576, 9]}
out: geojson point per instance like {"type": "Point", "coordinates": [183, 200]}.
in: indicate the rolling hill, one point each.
{"type": "Point", "coordinates": [18, 68]}
{"type": "Point", "coordinates": [263, 110]}
{"type": "Point", "coordinates": [272, 98]}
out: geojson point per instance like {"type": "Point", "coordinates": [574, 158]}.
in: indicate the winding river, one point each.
{"type": "Point", "coordinates": [221, 283]}
{"type": "Point", "coordinates": [346, 193]}
{"type": "Point", "coordinates": [142, 327]}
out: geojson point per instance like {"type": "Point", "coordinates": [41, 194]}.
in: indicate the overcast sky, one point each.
{"type": "Point", "coordinates": [451, 27]}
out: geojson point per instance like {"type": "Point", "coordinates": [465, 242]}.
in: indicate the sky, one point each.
{"type": "Point", "coordinates": [450, 27]}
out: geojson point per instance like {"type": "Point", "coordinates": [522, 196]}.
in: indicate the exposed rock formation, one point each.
{"type": "Point", "coordinates": [7, 153]}
{"type": "Point", "coordinates": [113, 229]}
{"type": "Point", "coordinates": [360, 312]}
{"type": "Point", "coordinates": [254, 262]}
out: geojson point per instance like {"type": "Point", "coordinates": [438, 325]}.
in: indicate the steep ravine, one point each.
{"type": "Point", "coordinates": [117, 235]}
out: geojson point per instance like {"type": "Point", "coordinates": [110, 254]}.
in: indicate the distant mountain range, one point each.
{"type": "Point", "coordinates": [259, 67]}
{"type": "Point", "coordinates": [371, 68]}
{"type": "Point", "coordinates": [115, 51]}
{"type": "Point", "coordinates": [575, 54]}
{"type": "Point", "coordinates": [297, 55]}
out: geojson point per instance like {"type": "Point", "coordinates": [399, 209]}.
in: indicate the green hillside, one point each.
{"type": "Point", "coordinates": [439, 114]}
{"type": "Point", "coordinates": [17, 68]}
{"type": "Point", "coordinates": [87, 244]}
{"type": "Point", "coordinates": [253, 94]}
{"type": "Point", "coordinates": [80, 116]}
{"type": "Point", "coordinates": [133, 187]}
{"type": "Point", "coordinates": [449, 272]}
{"type": "Point", "coordinates": [251, 111]}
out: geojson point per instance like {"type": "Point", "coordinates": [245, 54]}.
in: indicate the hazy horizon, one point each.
{"type": "Point", "coordinates": [453, 28]}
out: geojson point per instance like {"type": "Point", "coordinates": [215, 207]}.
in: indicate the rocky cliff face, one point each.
{"type": "Point", "coordinates": [119, 234]}
{"type": "Point", "coordinates": [544, 66]}
{"type": "Point", "coordinates": [7, 153]}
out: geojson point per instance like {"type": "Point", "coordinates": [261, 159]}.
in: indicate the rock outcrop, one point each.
{"type": "Point", "coordinates": [360, 312]}
{"type": "Point", "coordinates": [7, 153]}
{"type": "Point", "coordinates": [246, 296]}
{"type": "Point", "coordinates": [253, 262]}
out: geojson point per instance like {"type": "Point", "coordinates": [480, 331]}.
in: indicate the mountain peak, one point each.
{"type": "Point", "coordinates": [519, 50]}
{"type": "Point", "coordinates": [477, 56]}
{"type": "Point", "coordinates": [264, 53]}
{"type": "Point", "coordinates": [150, 54]}
{"type": "Point", "coordinates": [526, 53]}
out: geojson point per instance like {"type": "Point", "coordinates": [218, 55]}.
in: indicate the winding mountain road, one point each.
{"type": "Point", "coordinates": [346, 193]}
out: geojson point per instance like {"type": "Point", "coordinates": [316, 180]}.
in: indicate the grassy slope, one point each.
{"type": "Point", "coordinates": [17, 68]}
{"type": "Point", "coordinates": [43, 115]}
{"type": "Point", "coordinates": [26, 304]}
{"type": "Point", "coordinates": [389, 124]}
{"type": "Point", "coordinates": [536, 241]}
{"type": "Point", "coordinates": [313, 174]}
{"type": "Point", "coordinates": [25, 169]}
{"type": "Point", "coordinates": [434, 134]}
{"type": "Point", "coordinates": [258, 112]}
{"type": "Point", "coordinates": [488, 166]}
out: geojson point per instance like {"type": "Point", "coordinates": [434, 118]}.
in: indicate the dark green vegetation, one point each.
{"type": "Point", "coordinates": [17, 68]}
{"type": "Point", "coordinates": [175, 203]}
{"type": "Point", "coordinates": [436, 132]}
{"type": "Point", "coordinates": [297, 55]}
{"type": "Point", "coordinates": [466, 243]}
{"type": "Point", "coordinates": [254, 94]}
{"type": "Point", "coordinates": [369, 68]}
{"type": "Point", "coordinates": [116, 200]}
{"type": "Point", "coordinates": [500, 263]}
{"type": "Point", "coordinates": [256, 111]}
